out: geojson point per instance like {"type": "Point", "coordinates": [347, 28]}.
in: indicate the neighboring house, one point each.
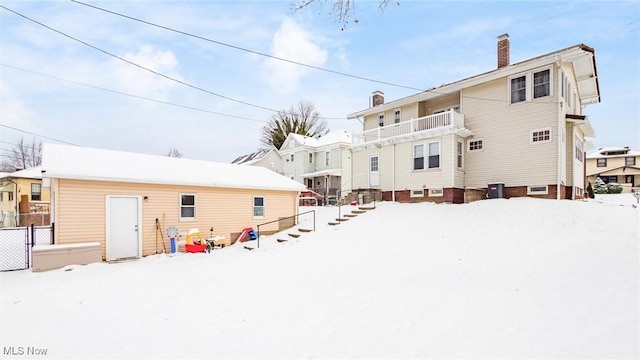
{"type": "Point", "coordinates": [269, 158]}
{"type": "Point", "coordinates": [22, 192]}
{"type": "Point", "coordinates": [519, 128]}
{"type": "Point", "coordinates": [615, 165]}
{"type": "Point", "coordinates": [125, 201]}
{"type": "Point", "coordinates": [322, 164]}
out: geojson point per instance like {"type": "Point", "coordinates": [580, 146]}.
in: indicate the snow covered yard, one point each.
{"type": "Point", "coordinates": [492, 279]}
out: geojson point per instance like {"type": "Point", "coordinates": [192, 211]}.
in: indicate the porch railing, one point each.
{"type": "Point", "coordinates": [449, 118]}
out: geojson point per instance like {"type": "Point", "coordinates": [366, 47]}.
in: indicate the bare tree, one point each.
{"type": "Point", "coordinates": [173, 152]}
{"type": "Point", "coordinates": [341, 10]}
{"type": "Point", "coordinates": [303, 119]}
{"type": "Point", "coordinates": [23, 155]}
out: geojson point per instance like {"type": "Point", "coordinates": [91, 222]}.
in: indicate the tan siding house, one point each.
{"type": "Point", "coordinates": [24, 200]}
{"type": "Point", "coordinates": [619, 165]}
{"type": "Point", "coordinates": [520, 126]}
{"type": "Point", "coordinates": [125, 201]}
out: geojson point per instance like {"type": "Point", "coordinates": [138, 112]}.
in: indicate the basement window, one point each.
{"type": "Point", "coordinates": [417, 193]}
{"type": "Point", "coordinates": [537, 190]}
{"type": "Point", "coordinates": [435, 192]}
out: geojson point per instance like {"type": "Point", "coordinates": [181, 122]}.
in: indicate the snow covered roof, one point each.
{"type": "Point", "coordinates": [249, 159]}
{"type": "Point", "coordinates": [612, 151]}
{"type": "Point", "coordinates": [82, 163]}
{"type": "Point", "coordinates": [31, 173]}
{"type": "Point", "coordinates": [330, 138]}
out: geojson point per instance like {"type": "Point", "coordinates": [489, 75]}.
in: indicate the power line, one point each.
{"type": "Point", "coordinates": [34, 134]}
{"type": "Point", "coordinates": [137, 65]}
{"type": "Point", "coordinates": [131, 95]}
{"type": "Point", "coordinates": [248, 50]}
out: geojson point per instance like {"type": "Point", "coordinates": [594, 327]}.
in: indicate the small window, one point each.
{"type": "Point", "coordinates": [327, 158]}
{"type": "Point", "coordinates": [381, 120]}
{"type": "Point", "coordinates": [579, 150]}
{"type": "Point", "coordinates": [1, 196]}
{"type": "Point", "coordinates": [475, 145]}
{"type": "Point", "coordinates": [417, 193]}
{"type": "Point", "coordinates": [35, 192]}
{"type": "Point", "coordinates": [540, 136]}
{"type": "Point", "coordinates": [187, 207]}
{"type": "Point", "coordinates": [396, 116]}
{"type": "Point", "coordinates": [418, 157]}
{"type": "Point", "coordinates": [258, 207]}
{"type": "Point", "coordinates": [630, 160]}
{"type": "Point", "coordinates": [10, 195]}
{"type": "Point", "coordinates": [435, 192]}
{"type": "Point", "coordinates": [459, 157]}
{"type": "Point", "coordinates": [518, 89]}
{"type": "Point", "coordinates": [291, 157]}
{"type": "Point", "coordinates": [292, 144]}
{"type": "Point", "coordinates": [609, 179]}
{"type": "Point", "coordinates": [434, 155]}
{"type": "Point", "coordinates": [602, 162]}
{"type": "Point", "coordinates": [537, 190]}
{"type": "Point", "coordinates": [310, 158]}
{"type": "Point", "coordinates": [541, 83]}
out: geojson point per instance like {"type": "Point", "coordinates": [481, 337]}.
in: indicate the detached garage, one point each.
{"type": "Point", "coordinates": [125, 201]}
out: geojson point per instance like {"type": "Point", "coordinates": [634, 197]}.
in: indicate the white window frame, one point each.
{"type": "Point", "coordinates": [413, 157]}
{"type": "Point", "coordinates": [327, 158]}
{"type": "Point", "coordinates": [397, 115]}
{"type": "Point", "coordinates": [436, 192]}
{"type": "Point", "coordinates": [292, 157]}
{"type": "Point", "coordinates": [529, 85]}
{"type": "Point", "coordinates": [417, 193]}
{"type": "Point", "coordinates": [37, 186]}
{"type": "Point", "coordinates": [310, 158]}
{"type": "Point", "coordinates": [428, 155]}
{"type": "Point", "coordinates": [194, 206]}
{"type": "Point", "coordinates": [460, 154]}
{"type": "Point", "coordinates": [533, 84]}
{"type": "Point", "coordinates": [381, 120]}
{"type": "Point", "coordinates": [532, 139]}
{"type": "Point", "coordinates": [479, 145]}
{"type": "Point", "coordinates": [535, 190]}
{"type": "Point", "coordinates": [255, 207]}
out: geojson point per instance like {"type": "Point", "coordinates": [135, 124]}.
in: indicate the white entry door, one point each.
{"type": "Point", "coordinates": [123, 227]}
{"type": "Point", "coordinates": [374, 174]}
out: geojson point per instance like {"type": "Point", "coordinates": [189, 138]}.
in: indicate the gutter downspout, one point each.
{"type": "Point", "coordinates": [560, 130]}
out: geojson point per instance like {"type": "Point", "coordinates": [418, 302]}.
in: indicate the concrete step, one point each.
{"type": "Point", "coordinates": [342, 219]}
{"type": "Point", "coordinates": [281, 240]}
{"type": "Point", "coordinates": [305, 230]}
{"type": "Point", "coordinates": [350, 215]}
{"type": "Point", "coordinates": [294, 235]}
{"type": "Point", "coordinates": [333, 223]}
{"type": "Point", "coordinates": [359, 211]}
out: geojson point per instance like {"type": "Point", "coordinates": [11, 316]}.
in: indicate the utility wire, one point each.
{"type": "Point", "coordinates": [131, 95]}
{"type": "Point", "coordinates": [247, 50]}
{"type": "Point", "coordinates": [145, 98]}
{"type": "Point", "coordinates": [34, 134]}
{"type": "Point", "coordinates": [137, 65]}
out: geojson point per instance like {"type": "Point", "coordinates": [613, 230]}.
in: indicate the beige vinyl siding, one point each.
{"type": "Point", "coordinates": [441, 103]}
{"type": "Point", "coordinates": [508, 155]}
{"type": "Point", "coordinates": [407, 112]}
{"type": "Point", "coordinates": [407, 178]}
{"type": "Point", "coordinates": [81, 209]}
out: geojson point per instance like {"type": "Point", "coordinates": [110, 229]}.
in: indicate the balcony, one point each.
{"type": "Point", "coordinates": [446, 120]}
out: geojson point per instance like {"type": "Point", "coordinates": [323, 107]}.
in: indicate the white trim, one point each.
{"type": "Point", "coordinates": [428, 154]}
{"type": "Point", "coordinates": [399, 112]}
{"type": "Point", "coordinates": [195, 207]}
{"type": "Point", "coordinates": [531, 191]}
{"type": "Point", "coordinates": [413, 157]}
{"type": "Point", "coordinates": [531, 132]}
{"type": "Point", "coordinates": [460, 153]}
{"type": "Point", "coordinates": [529, 85]}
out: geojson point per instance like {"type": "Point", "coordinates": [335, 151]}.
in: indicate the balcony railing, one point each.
{"type": "Point", "coordinates": [450, 118]}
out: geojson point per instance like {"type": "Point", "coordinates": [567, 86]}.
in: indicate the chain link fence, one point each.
{"type": "Point", "coordinates": [16, 244]}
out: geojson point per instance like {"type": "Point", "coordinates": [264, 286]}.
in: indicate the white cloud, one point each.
{"type": "Point", "coordinates": [138, 81]}
{"type": "Point", "coordinates": [291, 42]}
{"type": "Point", "coordinates": [15, 112]}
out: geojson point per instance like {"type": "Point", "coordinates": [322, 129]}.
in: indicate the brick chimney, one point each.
{"type": "Point", "coordinates": [377, 98]}
{"type": "Point", "coordinates": [503, 50]}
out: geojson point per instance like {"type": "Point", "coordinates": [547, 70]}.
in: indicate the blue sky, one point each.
{"type": "Point", "coordinates": [57, 88]}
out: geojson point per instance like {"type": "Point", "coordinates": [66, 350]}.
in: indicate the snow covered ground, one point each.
{"type": "Point", "coordinates": [497, 278]}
